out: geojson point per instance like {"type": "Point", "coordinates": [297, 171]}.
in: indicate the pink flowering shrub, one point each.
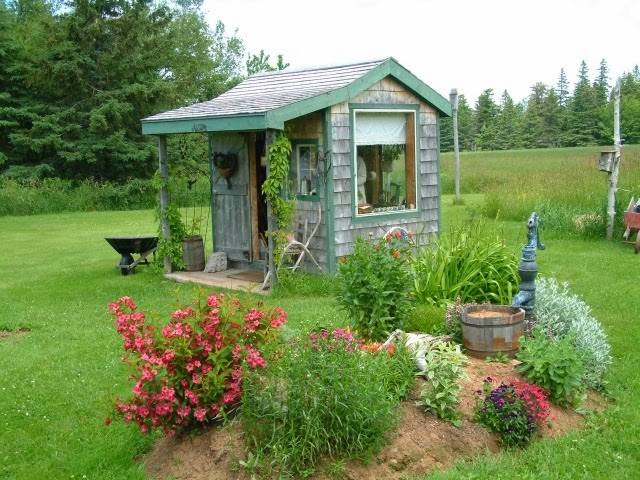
{"type": "Point", "coordinates": [190, 371]}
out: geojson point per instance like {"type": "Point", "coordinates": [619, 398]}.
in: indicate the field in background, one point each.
{"type": "Point", "coordinates": [517, 182]}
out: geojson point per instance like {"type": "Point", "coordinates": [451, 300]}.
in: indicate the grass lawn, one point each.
{"type": "Point", "coordinates": [59, 379]}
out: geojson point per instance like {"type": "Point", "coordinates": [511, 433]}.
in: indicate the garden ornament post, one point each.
{"type": "Point", "coordinates": [528, 268]}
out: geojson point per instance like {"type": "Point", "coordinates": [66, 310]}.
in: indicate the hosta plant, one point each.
{"type": "Point", "coordinates": [189, 371]}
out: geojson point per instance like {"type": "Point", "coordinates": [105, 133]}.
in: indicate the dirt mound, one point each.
{"type": "Point", "coordinates": [421, 444]}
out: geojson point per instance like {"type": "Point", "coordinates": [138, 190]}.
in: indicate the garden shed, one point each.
{"type": "Point", "coordinates": [365, 154]}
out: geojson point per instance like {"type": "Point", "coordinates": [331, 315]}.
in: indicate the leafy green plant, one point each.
{"type": "Point", "coordinates": [499, 357]}
{"type": "Point", "coordinates": [190, 371]}
{"type": "Point", "coordinates": [440, 394]}
{"type": "Point", "coordinates": [560, 314]}
{"type": "Point", "coordinates": [515, 413]}
{"type": "Point", "coordinates": [328, 396]}
{"type": "Point", "coordinates": [552, 363]}
{"type": "Point", "coordinates": [467, 263]}
{"type": "Point", "coordinates": [374, 285]}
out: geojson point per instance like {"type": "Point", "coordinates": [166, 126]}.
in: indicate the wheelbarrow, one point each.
{"type": "Point", "coordinates": [127, 246]}
{"type": "Point", "coordinates": [632, 222]}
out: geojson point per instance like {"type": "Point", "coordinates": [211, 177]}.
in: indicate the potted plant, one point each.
{"type": "Point", "coordinates": [225, 164]}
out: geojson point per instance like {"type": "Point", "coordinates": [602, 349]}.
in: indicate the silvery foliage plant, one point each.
{"type": "Point", "coordinates": [560, 313]}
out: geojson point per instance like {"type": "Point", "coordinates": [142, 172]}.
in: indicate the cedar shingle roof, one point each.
{"type": "Point", "coordinates": [263, 92]}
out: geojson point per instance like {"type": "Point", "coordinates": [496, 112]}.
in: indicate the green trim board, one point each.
{"type": "Point", "coordinates": [276, 117]}
{"type": "Point", "coordinates": [438, 122]}
{"type": "Point", "coordinates": [210, 124]}
{"type": "Point", "coordinates": [389, 68]}
{"type": "Point", "coordinates": [295, 142]}
{"type": "Point", "coordinates": [329, 208]}
{"type": "Point", "coordinates": [385, 216]}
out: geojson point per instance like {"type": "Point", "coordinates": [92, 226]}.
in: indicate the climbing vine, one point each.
{"type": "Point", "coordinates": [277, 186]}
{"type": "Point", "coordinates": [173, 246]}
{"type": "Point", "coordinates": [277, 189]}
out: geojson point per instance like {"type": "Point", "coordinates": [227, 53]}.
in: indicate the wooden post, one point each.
{"type": "Point", "coordinates": [271, 223]}
{"type": "Point", "coordinates": [212, 193]}
{"type": "Point", "coordinates": [615, 168]}
{"type": "Point", "coordinates": [164, 196]}
{"type": "Point", "coordinates": [453, 97]}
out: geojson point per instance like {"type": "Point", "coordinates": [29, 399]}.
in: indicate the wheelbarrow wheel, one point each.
{"type": "Point", "coordinates": [124, 265]}
{"type": "Point", "coordinates": [638, 242]}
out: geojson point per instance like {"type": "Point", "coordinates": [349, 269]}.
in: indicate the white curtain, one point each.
{"type": "Point", "coordinates": [387, 128]}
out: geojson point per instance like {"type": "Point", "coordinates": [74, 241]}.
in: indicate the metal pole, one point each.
{"type": "Point", "coordinates": [164, 196]}
{"type": "Point", "coordinates": [453, 97]}
{"type": "Point", "coordinates": [615, 169]}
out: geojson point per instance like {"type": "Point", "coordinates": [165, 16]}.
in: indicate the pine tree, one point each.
{"type": "Point", "coordinates": [583, 114]}
{"type": "Point", "coordinates": [484, 127]}
{"type": "Point", "coordinates": [563, 89]}
{"type": "Point", "coordinates": [508, 123]}
{"type": "Point", "coordinates": [90, 73]}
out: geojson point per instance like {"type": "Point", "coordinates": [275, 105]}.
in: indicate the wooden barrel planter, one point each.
{"type": "Point", "coordinates": [488, 330]}
{"type": "Point", "coordinates": [193, 253]}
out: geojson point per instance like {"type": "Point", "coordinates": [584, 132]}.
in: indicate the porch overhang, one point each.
{"type": "Point", "coordinates": [235, 123]}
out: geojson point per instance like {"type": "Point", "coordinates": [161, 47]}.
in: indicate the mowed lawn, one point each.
{"type": "Point", "coordinates": [60, 376]}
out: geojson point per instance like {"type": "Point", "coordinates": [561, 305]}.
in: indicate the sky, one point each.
{"type": "Point", "coordinates": [469, 45]}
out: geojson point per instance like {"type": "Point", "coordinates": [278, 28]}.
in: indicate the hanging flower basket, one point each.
{"type": "Point", "coordinates": [226, 164]}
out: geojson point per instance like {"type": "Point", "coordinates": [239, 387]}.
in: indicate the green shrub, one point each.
{"type": "Point", "coordinates": [325, 397]}
{"type": "Point", "coordinates": [468, 264]}
{"type": "Point", "coordinates": [54, 195]}
{"type": "Point", "coordinates": [561, 314]}
{"type": "Point", "coordinates": [374, 285]}
{"type": "Point", "coordinates": [440, 394]}
{"type": "Point", "coordinates": [426, 318]}
{"type": "Point", "coordinates": [552, 363]}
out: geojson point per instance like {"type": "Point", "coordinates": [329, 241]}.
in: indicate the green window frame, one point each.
{"type": "Point", "coordinates": [303, 173]}
{"type": "Point", "coordinates": [392, 190]}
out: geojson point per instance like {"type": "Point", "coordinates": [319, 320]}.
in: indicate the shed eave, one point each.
{"type": "Point", "coordinates": [241, 122]}
{"type": "Point", "coordinates": [389, 68]}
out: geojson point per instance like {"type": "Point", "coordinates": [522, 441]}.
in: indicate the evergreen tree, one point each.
{"type": "Point", "coordinates": [508, 123]}
{"type": "Point", "coordinates": [563, 89]}
{"type": "Point", "coordinates": [583, 113]}
{"type": "Point", "coordinates": [533, 128]}
{"type": "Point", "coordinates": [89, 74]}
{"type": "Point", "coordinates": [484, 121]}
{"type": "Point", "coordinates": [630, 107]}
{"type": "Point", "coordinates": [260, 63]}
{"type": "Point", "coordinates": [551, 113]}
{"type": "Point", "coordinates": [465, 124]}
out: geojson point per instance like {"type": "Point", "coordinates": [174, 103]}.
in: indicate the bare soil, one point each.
{"type": "Point", "coordinates": [421, 444]}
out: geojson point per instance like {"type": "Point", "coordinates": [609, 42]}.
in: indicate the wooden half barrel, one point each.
{"type": "Point", "coordinates": [193, 253]}
{"type": "Point", "coordinates": [488, 330]}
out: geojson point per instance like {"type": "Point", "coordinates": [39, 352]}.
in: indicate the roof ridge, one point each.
{"type": "Point", "coordinates": [311, 68]}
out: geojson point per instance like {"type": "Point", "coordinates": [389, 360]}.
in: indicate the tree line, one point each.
{"type": "Point", "coordinates": [77, 76]}
{"type": "Point", "coordinates": [551, 116]}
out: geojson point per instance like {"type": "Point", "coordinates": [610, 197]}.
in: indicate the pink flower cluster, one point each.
{"type": "Point", "coordinates": [535, 400]}
{"type": "Point", "coordinates": [190, 371]}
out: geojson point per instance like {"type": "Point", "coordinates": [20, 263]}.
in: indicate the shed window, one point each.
{"type": "Point", "coordinates": [385, 161]}
{"type": "Point", "coordinates": [303, 167]}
